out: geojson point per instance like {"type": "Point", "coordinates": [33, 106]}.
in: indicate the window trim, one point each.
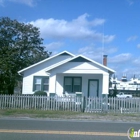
{"type": "Point", "coordinates": [73, 83]}
{"type": "Point", "coordinates": [42, 84]}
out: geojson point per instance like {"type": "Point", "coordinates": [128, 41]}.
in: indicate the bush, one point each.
{"type": "Point", "coordinates": [41, 93]}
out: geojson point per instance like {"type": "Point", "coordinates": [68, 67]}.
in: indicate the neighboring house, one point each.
{"type": "Point", "coordinates": [66, 73]}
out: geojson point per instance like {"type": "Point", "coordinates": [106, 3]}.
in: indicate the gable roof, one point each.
{"type": "Point", "coordinates": [79, 58]}
{"type": "Point", "coordinates": [62, 53]}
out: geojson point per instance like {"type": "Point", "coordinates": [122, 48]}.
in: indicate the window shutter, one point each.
{"type": "Point", "coordinates": [34, 83]}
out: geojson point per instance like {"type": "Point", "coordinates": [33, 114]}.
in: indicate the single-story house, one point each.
{"type": "Point", "coordinates": [66, 73]}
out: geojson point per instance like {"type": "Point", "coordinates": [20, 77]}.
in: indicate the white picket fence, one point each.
{"type": "Point", "coordinates": [39, 102]}
{"type": "Point", "coordinates": [113, 105]}
{"type": "Point", "coordinates": [78, 104]}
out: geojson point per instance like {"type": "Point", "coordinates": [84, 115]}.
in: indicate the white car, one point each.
{"type": "Point", "coordinates": [122, 95]}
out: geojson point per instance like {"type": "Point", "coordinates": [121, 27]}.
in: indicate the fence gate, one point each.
{"type": "Point", "coordinates": [96, 104]}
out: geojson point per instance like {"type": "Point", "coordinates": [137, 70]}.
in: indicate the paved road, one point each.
{"type": "Point", "coordinates": [42, 129]}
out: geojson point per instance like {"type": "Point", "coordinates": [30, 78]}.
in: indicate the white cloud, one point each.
{"type": "Point", "coordinates": [130, 2]}
{"type": "Point", "coordinates": [26, 2]}
{"type": "Point", "coordinates": [121, 58]}
{"type": "Point", "coordinates": [136, 61]}
{"type": "Point", "coordinates": [110, 50]}
{"type": "Point", "coordinates": [138, 46]}
{"type": "Point", "coordinates": [2, 2]}
{"type": "Point", "coordinates": [96, 53]}
{"type": "Point", "coordinates": [91, 52]}
{"type": "Point", "coordinates": [30, 3]}
{"type": "Point", "coordinates": [125, 64]}
{"type": "Point", "coordinates": [109, 38]}
{"type": "Point", "coordinates": [129, 72]}
{"type": "Point", "coordinates": [121, 63]}
{"type": "Point", "coordinates": [132, 38]}
{"type": "Point", "coordinates": [53, 45]}
{"type": "Point", "coordinates": [80, 28]}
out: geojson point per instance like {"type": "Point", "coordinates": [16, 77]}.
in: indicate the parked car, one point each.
{"type": "Point", "coordinates": [123, 95]}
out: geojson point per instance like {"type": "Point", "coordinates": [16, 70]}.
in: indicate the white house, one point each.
{"type": "Point", "coordinates": [67, 73]}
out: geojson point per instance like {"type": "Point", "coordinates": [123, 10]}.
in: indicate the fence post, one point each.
{"type": "Point", "coordinates": [83, 103]}
{"type": "Point", "coordinates": [79, 100]}
{"type": "Point", "coordinates": [105, 103]}
{"type": "Point", "coordinates": [52, 101]}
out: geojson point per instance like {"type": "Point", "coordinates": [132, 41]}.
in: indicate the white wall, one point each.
{"type": "Point", "coordinates": [52, 84]}
{"type": "Point", "coordinates": [85, 78]}
{"type": "Point", "coordinates": [86, 70]}
{"type": "Point", "coordinates": [38, 70]}
{"type": "Point", "coordinates": [28, 82]}
{"type": "Point", "coordinates": [41, 67]}
{"type": "Point", "coordinates": [79, 67]}
{"type": "Point", "coordinates": [59, 84]}
{"type": "Point", "coordinates": [105, 85]}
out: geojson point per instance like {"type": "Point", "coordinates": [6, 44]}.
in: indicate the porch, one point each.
{"type": "Point", "coordinates": [90, 85]}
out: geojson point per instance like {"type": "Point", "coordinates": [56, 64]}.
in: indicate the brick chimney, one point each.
{"type": "Point", "coordinates": [105, 60]}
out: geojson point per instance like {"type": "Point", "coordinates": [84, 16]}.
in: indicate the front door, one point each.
{"type": "Point", "coordinates": [93, 85]}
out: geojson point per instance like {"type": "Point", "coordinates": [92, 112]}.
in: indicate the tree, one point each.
{"type": "Point", "coordinates": [20, 46]}
{"type": "Point", "coordinates": [115, 91]}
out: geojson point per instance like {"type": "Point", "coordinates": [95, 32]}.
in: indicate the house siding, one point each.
{"type": "Point", "coordinates": [38, 70]}
{"type": "Point", "coordinates": [28, 82]}
{"type": "Point", "coordinates": [79, 67]}
{"type": "Point", "coordinates": [85, 78]}
{"type": "Point", "coordinates": [86, 70]}
{"type": "Point", "coordinates": [41, 67]}
{"type": "Point", "coordinates": [105, 86]}
{"type": "Point", "coordinates": [52, 84]}
{"type": "Point", "coordinates": [59, 84]}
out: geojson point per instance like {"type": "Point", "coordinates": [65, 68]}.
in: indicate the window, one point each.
{"type": "Point", "coordinates": [46, 84]}
{"type": "Point", "coordinates": [114, 82]}
{"type": "Point", "coordinates": [37, 83]}
{"type": "Point", "coordinates": [68, 84]}
{"type": "Point", "coordinates": [72, 84]}
{"type": "Point", "coordinates": [41, 83]}
{"type": "Point", "coordinates": [76, 84]}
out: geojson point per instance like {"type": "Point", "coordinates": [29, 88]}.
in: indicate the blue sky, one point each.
{"type": "Point", "coordinates": [88, 27]}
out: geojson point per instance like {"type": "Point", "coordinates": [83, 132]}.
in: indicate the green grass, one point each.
{"type": "Point", "coordinates": [67, 115]}
{"type": "Point", "coordinates": [37, 113]}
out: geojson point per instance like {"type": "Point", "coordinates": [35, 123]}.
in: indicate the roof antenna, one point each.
{"type": "Point", "coordinates": [103, 44]}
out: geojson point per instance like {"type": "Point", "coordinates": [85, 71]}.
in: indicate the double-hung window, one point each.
{"type": "Point", "coordinates": [41, 83]}
{"type": "Point", "coordinates": [37, 83]}
{"type": "Point", "coordinates": [72, 84]}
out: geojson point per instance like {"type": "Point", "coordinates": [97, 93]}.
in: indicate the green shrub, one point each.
{"type": "Point", "coordinates": [41, 93]}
